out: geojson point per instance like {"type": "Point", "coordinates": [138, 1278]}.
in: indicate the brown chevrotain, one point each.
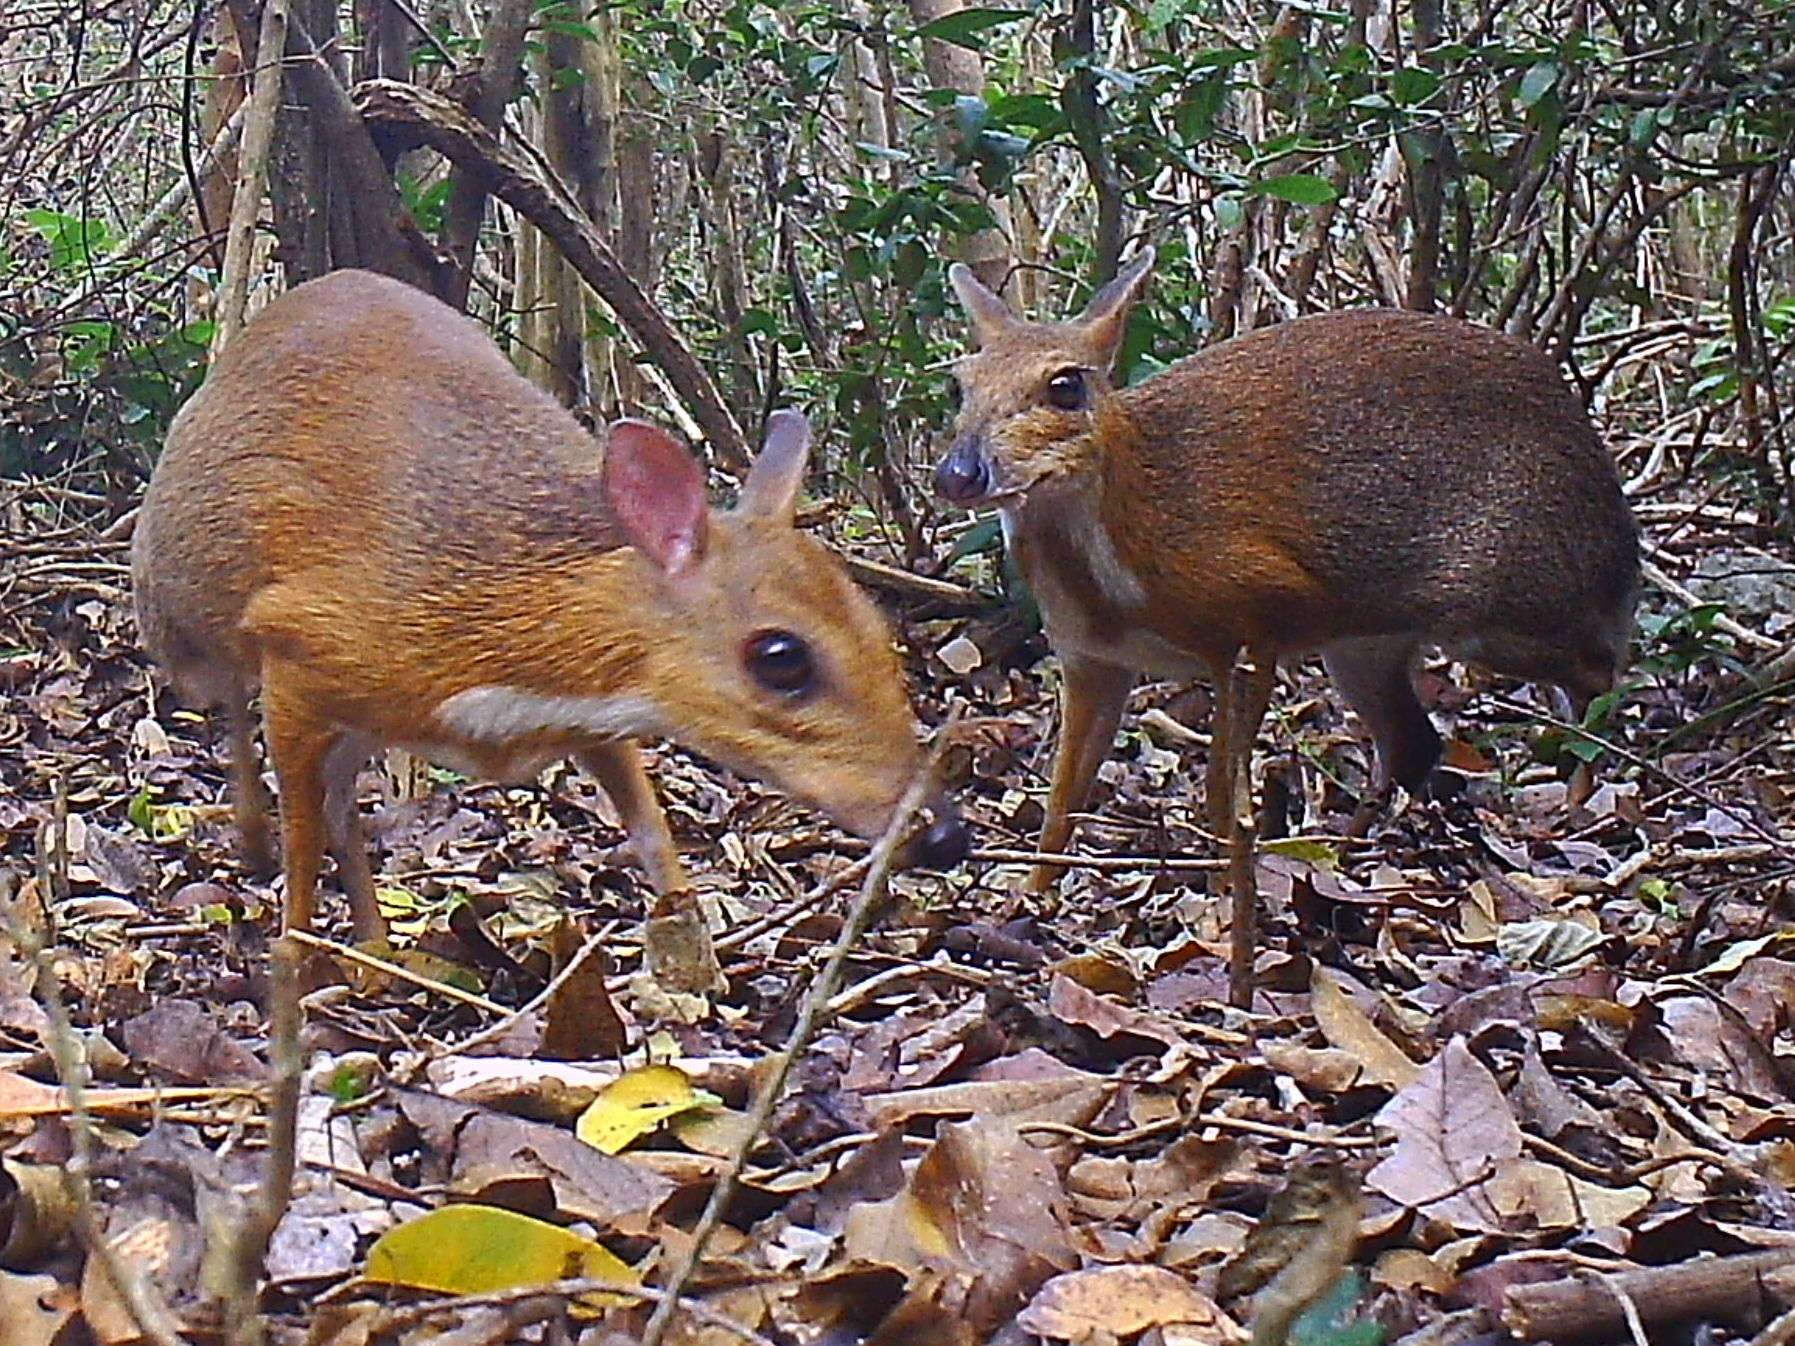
{"type": "Point", "coordinates": [369, 514]}
{"type": "Point", "coordinates": [1356, 483]}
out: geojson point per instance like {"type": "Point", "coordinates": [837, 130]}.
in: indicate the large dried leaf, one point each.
{"type": "Point", "coordinates": [1350, 1029]}
{"type": "Point", "coordinates": [503, 1160]}
{"type": "Point", "coordinates": [180, 1041]}
{"type": "Point", "coordinates": [1103, 1303]}
{"type": "Point", "coordinates": [1542, 1196]}
{"type": "Point", "coordinates": [34, 1310]}
{"type": "Point", "coordinates": [984, 1206]}
{"type": "Point", "coordinates": [1072, 1099]}
{"type": "Point", "coordinates": [1454, 1132]}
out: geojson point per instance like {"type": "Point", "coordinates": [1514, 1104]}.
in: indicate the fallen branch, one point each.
{"type": "Point", "coordinates": [422, 117]}
{"type": "Point", "coordinates": [906, 584]}
{"type": "Point", "coordinates": [1729, 1288]}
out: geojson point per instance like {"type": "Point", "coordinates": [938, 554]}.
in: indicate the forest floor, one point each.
{"type": "Point", "coordinates": [1501, 1043]}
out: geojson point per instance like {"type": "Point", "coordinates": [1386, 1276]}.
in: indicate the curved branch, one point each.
{"type": "Point", "coordinates": [421, 117]}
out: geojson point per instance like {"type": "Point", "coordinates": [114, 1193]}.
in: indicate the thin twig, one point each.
{"type": "Point", "coordinates": [1183, 1125]}
{"type": "Point", "coordinates": [395, 1320]}
{"type": "Point", "coordinates": [244, 1325]}
{"type": "Point", "coordinates": [494, 1031]}
{"type": "Point", "coordinates": [1614, 1286]}
{"type": "Point", "coordinates": [1743, 634]}
{"type": "Point", "coordinates": [1677, 784]}
{"type": "Point", "coordinates": [810, 1016]}
{"type": "Point", "coordinates": [368, 960]}
{"type": "Point", "coordinates": [145, 1307]}
{"type": "Point", "coordinates": [1103, 864]}
{"type": "Point", "coordinates": [1779, 1332]}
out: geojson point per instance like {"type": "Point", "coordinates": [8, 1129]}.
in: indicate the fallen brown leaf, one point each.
{"type": "Point", "coordinates": [1454, 1132]}
{"type": "Point", "coordinates": [1104, 1303]}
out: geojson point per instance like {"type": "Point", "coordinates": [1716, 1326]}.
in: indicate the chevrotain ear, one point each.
{"type": "Point", "coordinates": [655, 489]}
{"type": "Point", "coordinates": [988, 314]}
{"type": "Point", "coordinates": [1105, 318]}
{"type": "Point", "coordinates": [771, 491]}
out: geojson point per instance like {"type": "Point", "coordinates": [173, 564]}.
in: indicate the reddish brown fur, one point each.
{"type": "Point", "coordinates": [1377, 478]}
{"type": "Point", "coordinates": [367, 511]}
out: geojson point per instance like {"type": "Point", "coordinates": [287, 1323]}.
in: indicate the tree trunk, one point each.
{"type": "Point", "coordinates": [222, 99]}
{"type": "Point", "coordinates": [501, 69]}
{"type": "Point", "coordinates": [987, 252]}
{"type": "Point", "coordinates": [637, 187]}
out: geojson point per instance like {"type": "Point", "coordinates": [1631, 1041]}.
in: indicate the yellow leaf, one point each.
{"type": "Point", "coordinates": [711, 1130]}
{"type": "Point", "coordinates": [925, 1229]}
{"type": "Point", "coordinates": [430, 965]}
{"type": "Point", "coordinates": [475, 1250]}
{"type": "Point", "coordinates": [1318, 853]}
{"type": "Point", "coordinates": [170, 822]}
{"type": "Point", "coordinates": [633, 1105]}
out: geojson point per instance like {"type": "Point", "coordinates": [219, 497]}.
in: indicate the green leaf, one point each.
{"type": "Point", "coordinates": [473, 1250]}
{"type": "Point", "coordinates": [962, 27]}
{"type": "Point", "coordinates": [1585, 750]}
{"type": "Point", "coordinates": [1002, 145]}
{"type": "Point", "coordinates": [1779, 318]}
{"type": "Point", "coordinates": [1304, 189]}
{"type": "Point", "coordinates": [1162, 12]}
{"type": "Point", "coordinates": [1035, 112]}
{"type": "Point", "coordinates": [74, 242]}
{"type": "Point", "coordinates": [759, 322]}
{"type": "Point", "coordinates": [1221, 56]}
{"type": "Point", "coordinates": [907, 263]}
{"type": "Point", "coordinates": [1644, 128]}
{"type": "Point", "coordinates": [573, 28]}
{"type": "Point", "coordinates": [984, 536]}
{"type": "Point", "coordinates": [1538, 82]}
{"type": "Point", "coordinates": [138, 811]}
{"type": "Point", "coordinates": [1229, 211]}
{"type": "Point", "coordinates": [1412, 84]}
{"type": "Point", "coordinates": [1195, 114]}
{"type": "Point", "coordinates": [1330, 1320]}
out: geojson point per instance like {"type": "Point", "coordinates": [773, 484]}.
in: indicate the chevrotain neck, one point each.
{"type": "Point", "coordinates": [580, 626]}
{"type": "Point", "coordinates": [1115, 435]}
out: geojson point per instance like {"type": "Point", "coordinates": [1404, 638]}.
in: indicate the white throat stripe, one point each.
{"type": "Point", "coordinates": [500, 714]}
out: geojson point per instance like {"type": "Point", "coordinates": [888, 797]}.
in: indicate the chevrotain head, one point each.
{"type": "Point", "coordinates": [1032, 393]}
{"type": "Point", "coordinates": [759, 650]}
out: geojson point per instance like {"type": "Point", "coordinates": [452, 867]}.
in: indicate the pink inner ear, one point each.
{"type": "Point", "coordinates": [656, 490]}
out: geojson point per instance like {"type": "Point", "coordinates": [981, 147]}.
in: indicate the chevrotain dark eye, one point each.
{"type": "Point", "coordinates": [780, 662]}
{"type": "Point", "coordinates": [1066, 390]}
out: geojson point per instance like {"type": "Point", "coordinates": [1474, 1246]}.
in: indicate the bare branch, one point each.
{"type": "Point", "coordinates": [532, 190]}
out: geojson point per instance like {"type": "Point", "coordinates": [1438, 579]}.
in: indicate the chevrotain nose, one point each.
{"type": "Point", "coordinates": [943, 846]}
{"type": "Point", "coordinates": [963, 476]}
